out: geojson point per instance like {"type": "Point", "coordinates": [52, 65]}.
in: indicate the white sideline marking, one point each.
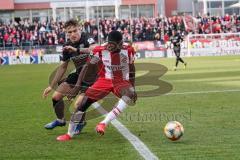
{"type": "Point", "coordinates": [139, 146]}
{"type": "Point", "coordinates": [201, 92]}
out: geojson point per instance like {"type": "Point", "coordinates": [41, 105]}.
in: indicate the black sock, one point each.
{"type": "Point", "coordinates": [177, 60]}
{"type": "Point", "coordinates": [58, 108]}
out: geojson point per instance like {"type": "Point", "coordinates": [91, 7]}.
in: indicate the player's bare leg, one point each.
{"type": "Point", "coordinates": [58, 105]}
{"type": "Point", "coordinates": [128, 98]}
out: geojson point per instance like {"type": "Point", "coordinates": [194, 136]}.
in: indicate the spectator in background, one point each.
{"type": "Point", "coordinates": [1, 40]}
{"type": "Point", "coordinates": [95, 35]}
{"type": "Point", "coordinates": [137, 35]}
{"type": "Point", "coordinates": [24, 33]}
{"type": "Point", "coordinates": [126, 35]}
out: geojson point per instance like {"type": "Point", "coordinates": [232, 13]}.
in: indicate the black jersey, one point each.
{"type": "Point", "coordinates": [79, 59]}
{"type": "Point", "coordinates": [176, 40]}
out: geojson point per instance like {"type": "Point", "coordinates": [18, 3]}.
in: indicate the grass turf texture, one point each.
{"type": "Point", "coordinates": [211, 120]}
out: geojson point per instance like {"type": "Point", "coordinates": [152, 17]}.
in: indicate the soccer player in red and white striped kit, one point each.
{"type": "Point", "coordinates": [116, 74]}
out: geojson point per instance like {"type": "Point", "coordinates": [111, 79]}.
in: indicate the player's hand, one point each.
{"type": "Point", "coordinates": [70, 49]}
{"type": "Point", "coordinates": [46, 91]}
{"type": "Point", "coordinates": [73, 92]}
{"type": "Point", "coordinates": [134, 97]}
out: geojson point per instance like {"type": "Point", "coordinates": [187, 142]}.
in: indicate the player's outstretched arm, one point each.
{"type": "Point", "coordinates": [58, 76]}
{"type": "Point", "coordinates": [71, 49]}
{"type": "Point", "coordinates": [78, 86]}
{"type": "Point", "coordinates": [88, 50]}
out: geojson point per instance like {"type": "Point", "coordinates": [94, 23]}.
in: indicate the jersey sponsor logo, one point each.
{"type": "Point", "coordinates": [79, 57]}
{"type": "Point", "coordinates": [106, 61]}
{"type": "Point", "coordinates": [115, 67]}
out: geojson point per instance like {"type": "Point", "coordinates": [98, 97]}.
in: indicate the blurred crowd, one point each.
{"type": "Point", "coordinates": [26, 33]}
{"type": "Point", "coordinates": [213, 24]}
{"type": "Point", "coordinates": [139, 29]}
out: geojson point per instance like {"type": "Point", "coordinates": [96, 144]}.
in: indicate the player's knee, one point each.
{"type": "Point", "coordinates": [86, 103]}
{"type": "Point", "coordinates": [55, 101]}
{"type": "Point", "coordinates": [130, 94]}
{"type": "Point", "coordinates": [77, 105]}
{"type": "Point", "coordinates": [81, 105]}
{"type": "Point", "coordinates": [128, 98]}
{"type": "Point", "coordinates": [56, 97]}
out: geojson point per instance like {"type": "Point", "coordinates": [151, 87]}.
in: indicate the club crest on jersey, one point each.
{"type": "Point", "coordinates": [106, 61]}
{"type": "Point", "coordinates": [124, 59]}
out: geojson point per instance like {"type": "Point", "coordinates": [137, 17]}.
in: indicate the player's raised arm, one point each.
{"type": "Point", "coordinates": [79, 50]}
{"type": "Point", "coordinates": [91, 45]}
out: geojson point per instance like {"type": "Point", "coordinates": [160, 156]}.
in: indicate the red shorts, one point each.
{"type": "Point", "coordinates": [102, 87]}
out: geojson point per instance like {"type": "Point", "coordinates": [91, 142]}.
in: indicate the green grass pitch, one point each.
{"type": "Point", "coordinates": [210, 119]}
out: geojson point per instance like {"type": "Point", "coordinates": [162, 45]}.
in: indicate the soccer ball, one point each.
{"type": "Point", "coordinates": [173, 130]}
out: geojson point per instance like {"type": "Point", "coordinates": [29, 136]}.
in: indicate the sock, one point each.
{"type": "Point", "coordinates": [61, 120]}
{"type": "Point", "coordinates": [58, 108]}
{"type": "Point", "coordinates": [177, 61]}
{"type": "Point", "coordinates": [115, 112]}
{"type": "Point", "coordinates": [74, 121]}
{"type": "Point", "coordinates": [71, 128]}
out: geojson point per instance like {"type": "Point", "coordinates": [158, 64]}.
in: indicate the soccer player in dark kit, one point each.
{"type": "Point", "coordinates": [75, 50]}
{"type": "Point", "coordinates": [176, 40]}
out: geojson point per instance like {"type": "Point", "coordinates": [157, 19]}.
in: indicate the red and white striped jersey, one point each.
{"type": "Point", "coordinates": [113, 65]}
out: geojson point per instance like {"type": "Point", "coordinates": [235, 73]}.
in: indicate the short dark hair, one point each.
{"type": "Point", "coordinates": [115, 36]}
{"type": "Point", "coordinates": [71, 22]}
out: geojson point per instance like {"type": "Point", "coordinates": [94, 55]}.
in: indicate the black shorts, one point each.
{"type": "Point", "coordinates": [177, 50]}
{"type": "Point", "coordinates": [72, 80]}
